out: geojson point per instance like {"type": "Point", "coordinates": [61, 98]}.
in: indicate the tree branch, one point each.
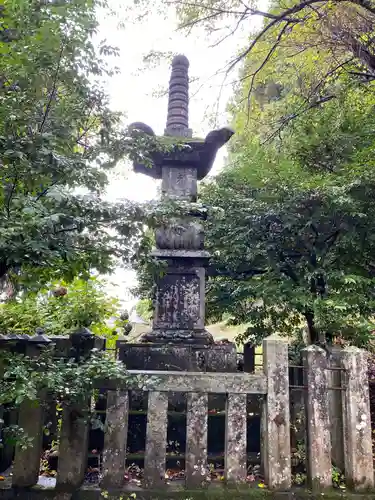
{"type": "Point", "coordinates": [214, 271]}
{"type": "Point", "coordinates": [248, 11]}
{"type": "Point", "coordinates": [291, 117]}
{"type": "Point", "coordinates": [45, 191]}
{"type": "Point", "coordinates": [265, 61]}
{"type": "Point", "coordinates": [9, 200]}
{"type": "Point", "coordinates": [283, 17]}
{"type": "Point", "coordinates": [53, 90]}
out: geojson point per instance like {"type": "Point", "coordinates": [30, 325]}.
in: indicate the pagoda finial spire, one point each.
{"type": "Point", "coordinates": [178, 100]}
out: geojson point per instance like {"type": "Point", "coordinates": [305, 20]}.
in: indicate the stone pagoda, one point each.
{"type": "Point", "coordinates": [179, 308]}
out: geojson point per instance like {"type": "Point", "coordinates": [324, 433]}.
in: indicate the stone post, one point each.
{"type": "Point", "coordinates": [73, 449]}
{"type": "Point", "coordinates": [115, 439]}
{"type": "Point", "coordinates": [196, 440]}
{"type": "Point", "coordinates": [318, 446]}
{"type": "Point", "coordinates": [156, 439]}
{"type": "Point", "coordinates": [359, 469]}
{"type": "Point", "coordinates": [236, 439]}
{"type": "Point", "coordinates": [27, 461]}
{"type": "Point", "coordinates": [335, 407]}
{"type": "Point", "coordinates": [276, 420]}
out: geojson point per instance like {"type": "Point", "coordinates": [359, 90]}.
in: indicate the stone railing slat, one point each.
{"type": "Point", "coordinates": [276, 416]}
{"type": "Point", "coordinates": [359, 469]}
{"type": "Point", "coordinates": [196, 439]}
{"type": "Point", "coordinates": [236, 438]}
{"type": "Point", "coordinates": [73, 448]}
{"type": "Point", "coordinates": [317, 418]}
{"type": "Point", "coordinates": [27, 461]}
{"type": "Point", "coordinates": [156, 439]}
{"type": "Point", "coordinates": [115, 439]}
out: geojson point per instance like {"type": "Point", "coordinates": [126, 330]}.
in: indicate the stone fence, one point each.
{"type": "Point", "coordinates": [273, 385]}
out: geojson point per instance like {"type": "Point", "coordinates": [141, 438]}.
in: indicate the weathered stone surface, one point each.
{"type": "Point", "coordinates": [359, 470]}
{"type": "Point", "coordinates": [196, 257]}
{"type": "Point", "coordinates": [30, 419]}
{"type": "Point", "coordinates": [179, 300]}
{"type": "Point", "coordinates": [115, 439]}
{"type": "Point", "coordinates": [156, 439]}
{"type": "Point", "coordinates": [191, 357]}
{"type": "Point", "coordinates": [178, 102]}
{"type": "Point", "coordinates": [275, 417]}
{"type": "Point", "coordinates": [73, 448]}
{"type": "Point", "coordinates": [236, 438]}
{"type": "Point", "coordinates": [335, 408]}
{"type": "Point", "coordinates": [27, 462]}
{"type": "Point", "coordinates": [317, 417]}
{"type": "Point", "coordinates": [171, 381]}
{"type": "Point", "coordinates": [196, 439]}
{"type": "Point", "coordinates": [179, 182]}
{"type": "Point", "coordinates": [180, 235]}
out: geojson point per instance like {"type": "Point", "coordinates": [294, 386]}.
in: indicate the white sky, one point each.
{"type": "Point", "coordinates": [132, 90]}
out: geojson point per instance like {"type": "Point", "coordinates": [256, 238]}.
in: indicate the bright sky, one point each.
{"type": "Point", "coordinates": [132, 91]}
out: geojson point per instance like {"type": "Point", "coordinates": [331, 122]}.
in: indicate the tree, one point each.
{"type": "Point", "coordinates": [58, 140]}
{"type": "Point", "coordinates": [61, 309]}
{"type": "Point", "coordinates": [285, 255]}
{"type": "Point", "coordinates": [292, 239]}
{"type": "Point", "coordinates": [334, 37]}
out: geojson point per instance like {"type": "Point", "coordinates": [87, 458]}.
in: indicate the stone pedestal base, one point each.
{"type": "Point", "coordinates": [172, 357]}
{"type": "Point", "coordinates": [181, 357]}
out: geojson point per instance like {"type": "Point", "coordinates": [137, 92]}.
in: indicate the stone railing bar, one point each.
{"type": "Point", "coordinates": [276, 416]}
{"type": "Point", "coordinates": [236, 438]}
{"type": "Point", "coordinates": [170, 381]}
{"type": "Point", "coordinates": [196, 439]}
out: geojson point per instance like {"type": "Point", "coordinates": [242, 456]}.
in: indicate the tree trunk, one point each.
{"type": "Point", "coordinates": [362, 53]}
{"type": "Point", "coordinates": [313, 334]}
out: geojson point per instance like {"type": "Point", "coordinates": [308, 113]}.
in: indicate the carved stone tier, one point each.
{"type": "Point", "coordinates": [179, 310]}
{"type": "Point", "coordinates": [178, 99]}
{"type": "Point", "coordinates": [194, 156]}
{"type": "Point", "coordinates": [180, 234]}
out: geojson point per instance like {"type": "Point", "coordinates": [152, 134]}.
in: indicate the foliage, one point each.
{"type": "Point", "coordinates": [69, 382]}
{"type": "Point", "coordinates": [58, 141]}
{"type": "Point", "coordinates": [286, 253]}
{"type": "Point", "coordinates": [144, 309]}
{"type": "Point", "coordinates": [85, 304]}
{"type": "Point", "coordinates": [321, 38]}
